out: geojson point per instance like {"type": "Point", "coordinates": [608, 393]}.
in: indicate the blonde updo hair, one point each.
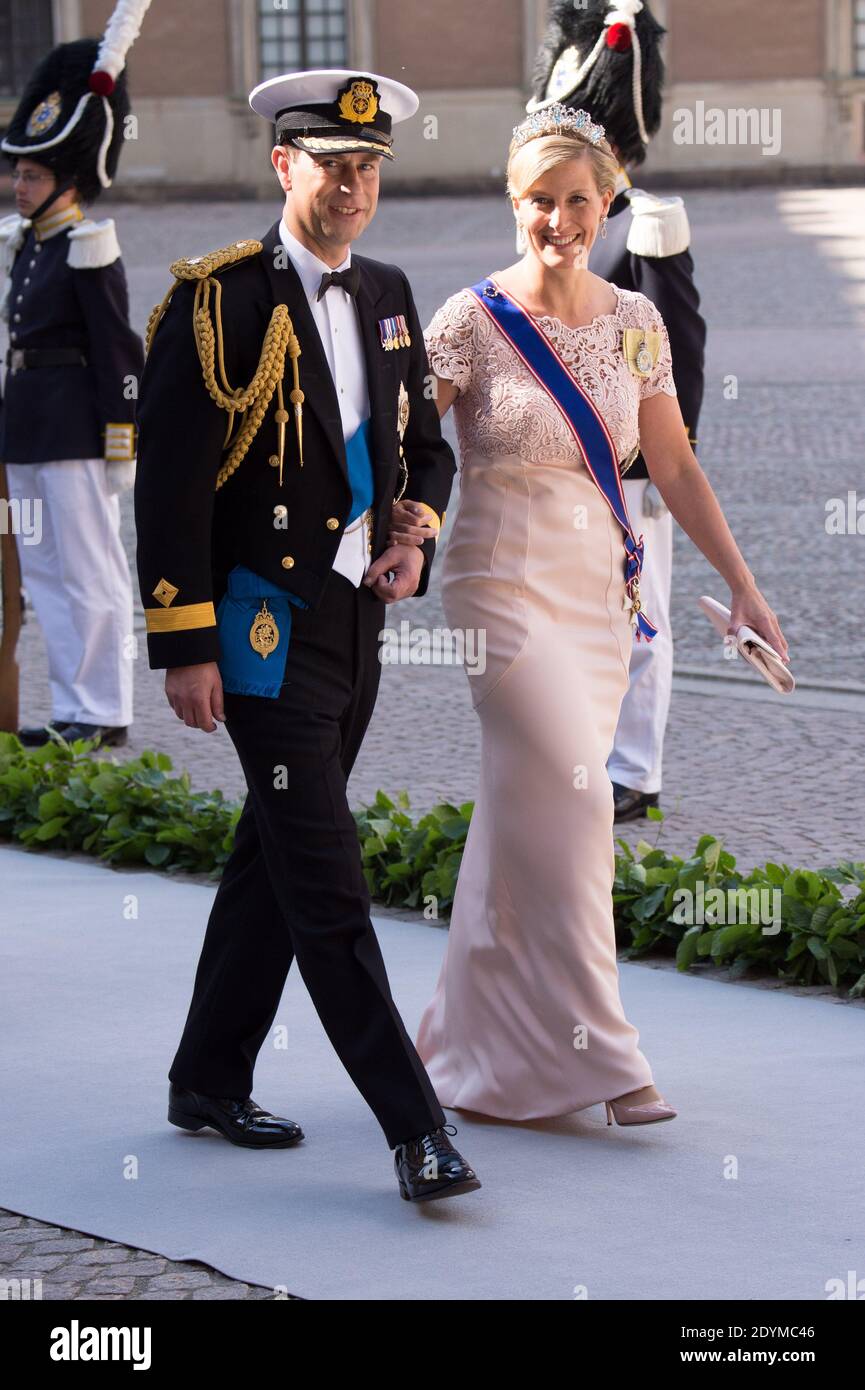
{"type": "Point", "coordinates": [529, 161]}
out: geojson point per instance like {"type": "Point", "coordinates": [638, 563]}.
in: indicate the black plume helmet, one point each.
{"type": "Point", "coordinates": [50, 101]}
{"type": "Point", "coordinates": [604, 57]}
{"type": "Point", "coordinates": [71, 115]}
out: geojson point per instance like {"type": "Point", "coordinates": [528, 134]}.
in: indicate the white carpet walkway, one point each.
{"type": "Point", "coordinates": [93, 1002]}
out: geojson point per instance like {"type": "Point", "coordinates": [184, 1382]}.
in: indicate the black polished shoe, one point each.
{"type": "Point", "coordinates": [630, 804]}
{"type": "Point", "coordinates": [108, 736]}
{"type": "Point", "coordinates": [241, 1121]}
{"type": "Point", "coordinates": [35, 737]}
{"type": "Point", "coordinates": [429, 1166]}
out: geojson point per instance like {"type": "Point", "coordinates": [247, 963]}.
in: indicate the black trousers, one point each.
{"type": "Point", "coordinates": [293, 886]}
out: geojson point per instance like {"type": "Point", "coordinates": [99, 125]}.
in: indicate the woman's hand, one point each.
{"type": "Point", "coordinates": [749, 606]}
{"type": "Point", "coordinates": [411, 523]}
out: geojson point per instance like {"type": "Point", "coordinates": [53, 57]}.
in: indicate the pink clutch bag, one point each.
{"type": "Point", "coordinates": [754, 648]}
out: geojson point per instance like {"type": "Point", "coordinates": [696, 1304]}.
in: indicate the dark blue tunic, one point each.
{"type": "Point", "coordinates": [61, 412]}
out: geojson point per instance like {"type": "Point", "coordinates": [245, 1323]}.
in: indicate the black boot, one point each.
{"type": "Point", "coordinates": [108, 736]}
{"type": "Point", "coordinates": [630, 804]}
{"type": "Point", "coordinates": [35, 736]}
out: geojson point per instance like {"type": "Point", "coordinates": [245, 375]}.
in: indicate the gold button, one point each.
{"type": "Point", "coordinates": [332, 523]}
{"type": "Point", "coordinates": [273, 461]}
{"type": "Point", "coordinates": [287, 562]}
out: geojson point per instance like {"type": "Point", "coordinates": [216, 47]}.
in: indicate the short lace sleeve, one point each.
{"type": "Point", "coordinates": [661, 378]}
{"type": "Point", "coordinates": [450, 340]}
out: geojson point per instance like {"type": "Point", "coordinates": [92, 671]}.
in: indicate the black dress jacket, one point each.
{"type": "Point", "coordinates": [191, 534]}
{"type": "Point", "coordinates": [668, 281]}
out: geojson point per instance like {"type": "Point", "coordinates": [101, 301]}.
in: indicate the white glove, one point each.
{"type": "Point", "coordinates": [120, 476]}
{"type": "Point", "coordinates": [653, 502]}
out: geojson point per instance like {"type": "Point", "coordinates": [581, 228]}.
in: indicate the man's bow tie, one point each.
{"type": "Point", "coordinates": [348, 279]}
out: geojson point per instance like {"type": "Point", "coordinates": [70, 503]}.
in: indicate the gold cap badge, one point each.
{"type": "Point", "coordinates": [359, 103]}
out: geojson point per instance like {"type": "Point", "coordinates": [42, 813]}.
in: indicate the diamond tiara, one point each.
{"type": "Point", "coordinates": [552, 119]}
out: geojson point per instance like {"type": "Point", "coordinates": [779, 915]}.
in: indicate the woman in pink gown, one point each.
{"type": "Point", "coordinates": [526, 1021]}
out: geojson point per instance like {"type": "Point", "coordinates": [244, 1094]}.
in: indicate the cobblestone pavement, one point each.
{"type": "Point", "coordinates": [780, 272]}
{"type": "Point", "coordinates": [782, 432]}
{"type": "Point", "coordinates": [56, 1265]}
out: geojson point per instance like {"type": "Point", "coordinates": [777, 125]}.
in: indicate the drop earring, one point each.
{"type": "Point", "coordinates": [522, 243]}
{"type": "Point", "coordinates": [604, 225]}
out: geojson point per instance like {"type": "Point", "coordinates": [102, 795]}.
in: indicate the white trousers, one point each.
{"type": "Point", "coordinates": [638, 748]}
{"type": "Point", "coordinates": [78, 582]}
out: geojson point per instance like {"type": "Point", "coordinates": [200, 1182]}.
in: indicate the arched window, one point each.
{"type": "Point", "coordinates": [296, 34]}
{"type": "Point", "coordinates": [26, 35]}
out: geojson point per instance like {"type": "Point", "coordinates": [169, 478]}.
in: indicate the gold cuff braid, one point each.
{"type": "Point", "coordinates": [181, 619]}
{"type": "Point", "coordinates": [279, 339]}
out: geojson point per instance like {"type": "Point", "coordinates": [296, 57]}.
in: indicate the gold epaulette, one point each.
{"type": "Point", "coordinates": [279, 339]}
{"type": "Point", "coordinates": [199, 267]}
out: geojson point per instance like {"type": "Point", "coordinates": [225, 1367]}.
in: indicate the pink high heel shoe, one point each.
{"type": "Point", "coordinates": [649, 1113]}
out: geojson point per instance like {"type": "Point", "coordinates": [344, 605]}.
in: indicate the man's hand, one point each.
{"type": "Point", "coordinates": [195, 695]}
{"type": "Point", "coordinates": [406, 561]}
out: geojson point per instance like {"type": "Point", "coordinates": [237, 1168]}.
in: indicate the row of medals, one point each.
{"type": "Point", "coordinates": [398, 340]}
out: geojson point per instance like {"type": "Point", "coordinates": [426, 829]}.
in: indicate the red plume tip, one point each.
{"type": "Point", "coordinates": [102, 83]}
{"type": "Point", "coordinates": [619, 38]}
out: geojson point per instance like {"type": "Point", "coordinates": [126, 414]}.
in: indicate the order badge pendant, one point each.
{"type": "Point", "coordinates": [264, 633]}
{"type": "Point", "coordinates": [644, 359]}
{"type": "Point", "coordinates": [632, 604]}
{"type": "Point", "coordinates": [403, 410]}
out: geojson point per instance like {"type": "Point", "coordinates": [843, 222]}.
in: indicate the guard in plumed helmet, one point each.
{"type": "Point", "coordinates": [283, 409]}
{"type": "Point", "coordinates": [606, 58]}
{"type": "Point", "coordinates": [67, 433]}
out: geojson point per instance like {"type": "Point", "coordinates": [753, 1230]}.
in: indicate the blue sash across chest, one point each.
{"type": "Point", "coordinates": [582, 418]}
{"type": "Point", "coordinates": [360, 474]}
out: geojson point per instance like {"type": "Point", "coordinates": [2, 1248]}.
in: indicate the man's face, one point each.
{"type": "Point", "coordinates": [32, 183]}
{"type": "Point", "coordinates": [330, 198]}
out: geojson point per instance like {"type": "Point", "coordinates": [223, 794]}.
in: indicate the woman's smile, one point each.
{"type": "Point", "coordinates": [560, 239]}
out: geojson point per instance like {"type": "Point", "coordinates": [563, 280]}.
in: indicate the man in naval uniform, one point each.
{"type": "Point", "coordinates": [282, 408]}
{"type": "Point", "coordinates": [67, 420]}
{"type": "Point", "coordinates": [587, 62]}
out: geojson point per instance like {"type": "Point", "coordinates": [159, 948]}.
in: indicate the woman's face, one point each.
{"type": "Point", "coordinates": [561, 214]}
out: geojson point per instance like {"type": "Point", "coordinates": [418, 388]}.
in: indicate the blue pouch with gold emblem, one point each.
{"type": "Point", "coordinates": [244, 670]}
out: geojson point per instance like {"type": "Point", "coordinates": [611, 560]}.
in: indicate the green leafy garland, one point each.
{"type": "Point", "coordinates": [65, 797]}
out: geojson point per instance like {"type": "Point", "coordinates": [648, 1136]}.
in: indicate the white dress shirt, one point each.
{"type": "Point", "coordinates": [335, 316]}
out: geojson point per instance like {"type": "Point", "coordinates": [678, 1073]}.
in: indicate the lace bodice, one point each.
{"type": "Point", "coordinates": [501, 409]}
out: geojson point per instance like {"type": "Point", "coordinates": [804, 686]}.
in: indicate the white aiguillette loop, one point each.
{"type": "Point", "coordinates": [754, 648]}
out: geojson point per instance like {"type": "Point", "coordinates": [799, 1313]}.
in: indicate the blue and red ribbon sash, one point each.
{"type": "Point", "coordinates": [581, 416]}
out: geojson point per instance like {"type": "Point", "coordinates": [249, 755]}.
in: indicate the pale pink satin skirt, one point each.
{"type": "Point", "coordinates": [526, 1021]}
